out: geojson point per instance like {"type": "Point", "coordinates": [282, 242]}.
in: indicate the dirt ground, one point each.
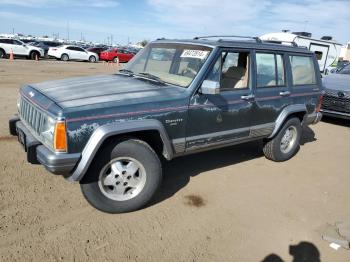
{"type": "Point", "coordinates": [230, 204]}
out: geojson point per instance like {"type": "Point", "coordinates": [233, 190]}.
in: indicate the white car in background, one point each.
{"type": "Point", "coordinates": [18, 48]}
{"type": "Point", "coordinates": [71, 52]}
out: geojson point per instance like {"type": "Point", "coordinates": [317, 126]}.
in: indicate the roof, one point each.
{"type": "Point", "coordinates": [262, 45]}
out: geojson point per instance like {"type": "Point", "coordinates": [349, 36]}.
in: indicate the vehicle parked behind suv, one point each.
{"type": "Point", "coordinates": [336, 102]}
{"type": "Point", "coordinates": [45, 45]}
{"type": "Point", "coordinates": [175, 98]}
{"type": "Point", "coordinates": [114, 54]}
{"type": "Point", "coordinates": [71, 52]}
{"type": "Point", "coordinates": [18, 48]}
{"type": "Point", "coordinates": [97, 50]}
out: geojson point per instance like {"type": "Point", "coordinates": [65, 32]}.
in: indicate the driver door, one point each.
{"type": "Point", "coordinates": [225, 117]}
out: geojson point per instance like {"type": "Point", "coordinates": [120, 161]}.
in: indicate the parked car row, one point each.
{"type": "Point", "coordinates": [64, 52]}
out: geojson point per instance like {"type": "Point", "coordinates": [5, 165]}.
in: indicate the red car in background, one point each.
{"type": "Point", "coordinates": [115, 53]}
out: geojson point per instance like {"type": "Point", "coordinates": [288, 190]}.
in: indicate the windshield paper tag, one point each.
{"type": "Point", "coordinates": [194, 53]}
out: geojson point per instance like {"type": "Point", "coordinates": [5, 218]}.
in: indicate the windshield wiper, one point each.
{"type": "Point", "coordinates": [153, 77]}
{"type": "Point", "coordinates": [127, 71]}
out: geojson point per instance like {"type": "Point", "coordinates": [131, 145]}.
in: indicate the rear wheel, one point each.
{"type": "Point", "coordinates": [2, 54]}
{"type": "Point", "coordinates": [92, 59]}
{"type": "Point", "coordinates": [286, 143]}
{"type": "Point", "coordinates": [64, 57]}
{"type": "Point", "coordinates": [123, 177]}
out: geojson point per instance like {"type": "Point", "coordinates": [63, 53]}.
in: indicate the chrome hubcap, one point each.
{"type": "Point", "coordinates": [289, 139]}
{"type": "Point", "coordinates": [122, 178]}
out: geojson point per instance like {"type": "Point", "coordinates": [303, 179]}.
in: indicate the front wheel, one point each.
{"type": "Point", "coordinates": [123, 177]}
{"type": "Point", "coordinates": [286, 143]}
{"type": "Point", "coordinates": [34, 55]}
{"type": "Point", "coordinates": [92, 59]}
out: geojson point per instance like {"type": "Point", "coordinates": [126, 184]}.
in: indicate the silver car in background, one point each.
{"type": "Point", "coordinates": [336, 101]}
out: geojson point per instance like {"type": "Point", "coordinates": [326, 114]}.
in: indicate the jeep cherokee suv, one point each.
{"type": "Point", "coordinates": [175, 97]}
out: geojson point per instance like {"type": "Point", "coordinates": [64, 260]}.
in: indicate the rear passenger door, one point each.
{"type": "Point", "coordinates": [305, 86]}
{"type": "Point", "coordinates": [272, 92]}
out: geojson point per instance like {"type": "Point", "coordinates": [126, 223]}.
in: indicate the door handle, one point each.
{"type": "Point", "coordinates": [285, 93]}
{"type": "Point", "coordinates": [248, 97]}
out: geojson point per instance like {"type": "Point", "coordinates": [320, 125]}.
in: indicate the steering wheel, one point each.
{"type": "Point", "coordinates": [188, 72]}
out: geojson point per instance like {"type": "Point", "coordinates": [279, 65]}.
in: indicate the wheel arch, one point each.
{"type": "Point", "coordinates": [33, 51]}
{"type": "Point", "coordinates": [151, 131]}
{"type": "Point", "coordinates": [297, 110]}
{"type": "Point", "coordinates": [63, 55]}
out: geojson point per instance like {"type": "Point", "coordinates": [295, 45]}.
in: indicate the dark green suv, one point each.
{"type": "Point", "coordinates": [175, 97]}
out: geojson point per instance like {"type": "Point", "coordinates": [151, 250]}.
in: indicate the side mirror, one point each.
{"type": "Point", "coordinates": [209, 87]}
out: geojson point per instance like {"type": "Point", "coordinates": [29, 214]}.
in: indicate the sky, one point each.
{"type": "Point", "coordinates": [98, 20]}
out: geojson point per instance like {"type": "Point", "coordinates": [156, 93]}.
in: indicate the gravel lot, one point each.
{"type": "Point", "coordinates": [225, 205]}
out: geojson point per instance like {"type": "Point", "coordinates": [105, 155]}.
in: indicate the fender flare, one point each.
{"type": "Point", "coordinates": [117, 128]}
{"type": "Point", "coordinates": [286, 112]}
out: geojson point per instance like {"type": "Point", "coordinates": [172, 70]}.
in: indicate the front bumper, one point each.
{"type": "Point", "coordinates": [336, 114]}
{"type": "Point", "coordinates": [56, 163]}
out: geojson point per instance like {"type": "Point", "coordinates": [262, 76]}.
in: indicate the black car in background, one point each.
{"type": "Point", "coordinates": [46, 45]}
{"type": "Point", "coordinates": [336, 101]}
{"type": "Point", "coordinates": [97, 50]}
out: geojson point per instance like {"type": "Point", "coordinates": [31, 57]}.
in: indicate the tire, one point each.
{"type": "Point", "coordinates": [115, 59]}
{"type": "Point", "coordinates": [33, 55]}
{"type": "Point", "coordinates": [109, 191]}
{"type": "Point", "coordinates": [92, 59]}
{"type": "Point", "coordinates": [286, 143]}
{"type": "Point", "coordinates": [64, 57]}
{"type": "Point", "coordinates": [2, 54]}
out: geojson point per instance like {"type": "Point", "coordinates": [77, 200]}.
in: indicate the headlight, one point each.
{"type": "Point", "coordinates": [54, 134]}
{"type": "Point", "coordinates": [48, 130]}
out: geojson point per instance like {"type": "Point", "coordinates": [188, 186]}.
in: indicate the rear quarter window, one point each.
{"type": "Point", "coordinates": [303, 70]}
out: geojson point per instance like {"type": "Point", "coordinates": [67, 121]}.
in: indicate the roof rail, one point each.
{"type": "Point", "coordinates": [257, 39]}
{"type": "Point", "coordinates": [281, 42]}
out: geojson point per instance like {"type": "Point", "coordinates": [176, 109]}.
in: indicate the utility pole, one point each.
{"type": "Point", "coordinates": [111, 40]}
{"type": "Point", "coordinates": [128, 41]}
{"type": "Point", "coordinates": [13, 30]}
{"type": "Point", "coordinates": [68, 30]}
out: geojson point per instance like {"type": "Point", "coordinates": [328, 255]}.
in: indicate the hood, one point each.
{"type": "Point", "coordinates": [82, 91]}
{"type": "Point", "coordinates": [339, 82]}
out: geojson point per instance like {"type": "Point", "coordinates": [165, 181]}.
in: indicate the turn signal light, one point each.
{"type": "Point", "coordinates": [60, 139]}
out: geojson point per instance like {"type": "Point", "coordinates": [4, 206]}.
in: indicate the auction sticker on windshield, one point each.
{"type": "Point", "coordinates": [200, 54]}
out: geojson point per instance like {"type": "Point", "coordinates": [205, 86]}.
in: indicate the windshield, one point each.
{"type": "Point", "coordinates": [176, 64]}
{"type": "Point", "coordinates": [345, 70]}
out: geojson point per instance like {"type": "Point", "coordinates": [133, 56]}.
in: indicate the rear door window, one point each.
{"type": "Point", "coordinates": [303, 70]}
{"type": "Point", "coordinates": [270, 70]}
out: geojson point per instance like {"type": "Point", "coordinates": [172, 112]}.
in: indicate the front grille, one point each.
{"type": "Point", "coordinates": [332, 101]}
{"type": "Point", "coordinates": [32, 116]}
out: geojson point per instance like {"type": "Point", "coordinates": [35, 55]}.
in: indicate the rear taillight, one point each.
{"type": "Point", "coordinates": [318, 108]}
